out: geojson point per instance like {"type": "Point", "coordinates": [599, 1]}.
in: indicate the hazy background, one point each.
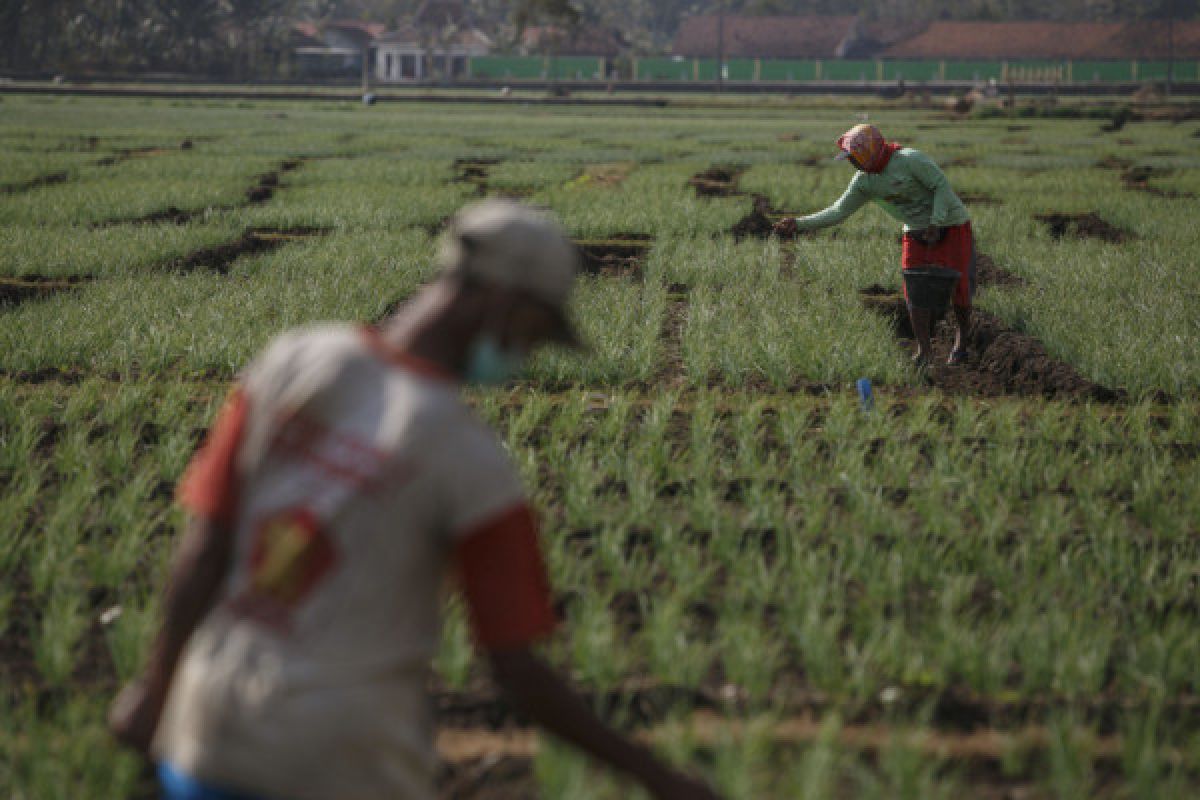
{"type": "Point", "coordinates": [247, 38]}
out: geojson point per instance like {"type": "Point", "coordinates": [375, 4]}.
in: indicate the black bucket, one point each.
{"type": "Point", "coordinates": [930, 288]}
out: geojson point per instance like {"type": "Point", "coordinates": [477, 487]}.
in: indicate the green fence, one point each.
{"type": "Point", "coordinates": [780, 70]}
{"type": "Point", "coordinates": [537, 67]}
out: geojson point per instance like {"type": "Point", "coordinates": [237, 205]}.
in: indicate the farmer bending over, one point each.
{"type": "Point", "coordinates": [344, 478]}
{"type": "Point", "coordinates": [937, 230]}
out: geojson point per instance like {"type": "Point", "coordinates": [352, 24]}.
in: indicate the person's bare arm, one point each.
{"type": "Point", "coordinates": [539, 691]}
{"type": "Point", "coordinates": [197, 575]}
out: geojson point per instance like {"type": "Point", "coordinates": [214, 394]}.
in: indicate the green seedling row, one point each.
{"type": "Point", "coordinates": [945, 596]}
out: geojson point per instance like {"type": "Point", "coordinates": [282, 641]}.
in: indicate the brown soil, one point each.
{"type": "Point", "coordinates": [219, 258]}
{"type": "Point", "coordinates": [261, 191]}
{"type": "Point", "coordinates": [93, 669]}
{"type": "Point", "coordinates": [36, 183]}
{"type": "Point", "coordinates": [139, 152]}
{"type": "Point", "coordinates": [962, 161]}
{"type": "Point", "coordinates": [605, 176]}
{"type": "Point", "coordinates": [492, 776]}
{"type": "Point", "coordinates": [672, 371]}
{"type": "Point", "coordinates": [481, 765]}
{"type": "Point", "coordinates": [14, 291]}
{"type": "Point", "coordinates": [1138, 179]}
{"type": "Point", "coordinates": [989, 273]}
{"type": "Point", "coordinates": [717, 181]}
{"type": "Point", "coordinates": [1113, 162]}
{"type": "Point", "coordinates": [1002, 361]}
{"type": "Point", "coordinates": [170, 215]}
{"type": "Point", "coordinates": [1119, 120]}
{"type": "Point", "coordinates": [475, 172]}
{"type": "Point", "coordinates": [617, 256]}
{"type": "Point", "coordinates": [722, 181]}
{"type": "Point", "coordinates": [1083, 226]}
{"type": "Point", "coordinates": [758, 223]}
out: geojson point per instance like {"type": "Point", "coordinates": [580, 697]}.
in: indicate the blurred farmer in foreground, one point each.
{"type": "Point", "coordinates": [937, 230]}
{"type": "Point", "coordinates": [343, 479]}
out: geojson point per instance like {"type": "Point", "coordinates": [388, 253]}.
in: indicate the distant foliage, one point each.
{"type": "Point", "coordinates": [250, 38]}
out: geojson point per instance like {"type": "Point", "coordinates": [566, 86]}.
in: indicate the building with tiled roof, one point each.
{"type": "Point", "coordinates": [411, 53]}
{"type": "Point", "coordinates": [1047, 40]}
{"type": "Point", "coordinates": [762, 37]}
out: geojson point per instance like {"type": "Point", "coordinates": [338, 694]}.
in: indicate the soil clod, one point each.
{"type": "Point", "coordinates": [717, 181]}
{"type": "Point", "coordinates": [1138, 178]}
{"type": "Point", "coordinates": [260, 192]}
{"type": "Point", "coordinates": [617, 256]}
{"type": "Point", "coordinates": [1089, 225]}
{"type": "Point", "coordinates": [989, 273]}
{"type": "Point", "coordinates": [1002, 360]}
{"type": "Point", "coordinates": [14, 291]}
{"type": "Point", "coordinates": [219, 258]}
{"type": "Point", "coordinates": [475, 172]}
{"type": "Point", "coordinates": [758, 223]}
{"type": "Point", "coordinates": [36, 183]}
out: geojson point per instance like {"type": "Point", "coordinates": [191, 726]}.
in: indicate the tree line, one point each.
{"type": "Point", "coordinates": [250, 38]}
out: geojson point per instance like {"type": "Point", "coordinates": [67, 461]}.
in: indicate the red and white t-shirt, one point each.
{"type": "Point", "coordinates": [352, 477]}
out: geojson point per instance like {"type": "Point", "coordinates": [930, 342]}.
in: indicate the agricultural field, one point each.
{"type": "Point", "coordinates": [987, 585]}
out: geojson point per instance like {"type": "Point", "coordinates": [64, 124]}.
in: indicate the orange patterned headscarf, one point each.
{"type": "Point", "coordinates": [866, 145]}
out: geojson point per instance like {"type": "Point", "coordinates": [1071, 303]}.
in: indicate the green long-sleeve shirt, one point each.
{"type": "Point", "coordinates": [911, 188]}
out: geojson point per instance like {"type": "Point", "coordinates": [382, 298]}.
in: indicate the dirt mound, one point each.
{"type": "Point", "coordinates": [1083, 226]}
{"type": "Point", "coordinates": [262, 190]}
{"type": "Point", "coordinates": [219, 258]}
{"type": "Point", "coordinates": [491, 777]}
{"type": "Point", "coordinates": [989, 273]}
{"type": "Point", "coordinates": [618, 256]}
{"type": "Point", "coordinates": [170, 214]}
{"type": "Point", "coordinates": [758, 223]}
{"type": "Point", "coordinates": [1138, 179]}
{"type": "Point", "coordinates": [14, 291]}
{"type": "Point", "coordinates": [35, 183]}
{"type": "Point", "coordinates": [127, 153]}
{"type": "Point", "coordinates": [474, 171]}
{"type": "Point", "coordinates": [1113, 162]}
{"type": "Point", "coordinates": [673, 369]}
{"type": "Point", "coordinates": [1002, 361]}
{"type": "Point", "coordinates": [717, 181]}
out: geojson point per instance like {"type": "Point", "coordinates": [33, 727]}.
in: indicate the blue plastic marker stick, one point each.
{"type": "Point", "coordinates": [865, 396]}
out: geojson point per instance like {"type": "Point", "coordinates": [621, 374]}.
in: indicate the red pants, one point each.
{"type": "Point", "coordinates": [956, 250]}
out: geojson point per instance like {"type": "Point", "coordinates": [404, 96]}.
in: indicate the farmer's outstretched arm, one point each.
{"type": "Point", "coordinates": [507, 593]}
{"type": "Point", "coordinates": [851, 200]}
{"type": "Point", "coordinates": [196, 578]}
{"type": "Point", "coordinates": [540, 692]}
{"type": "Point", "coordinates": [930, 175]}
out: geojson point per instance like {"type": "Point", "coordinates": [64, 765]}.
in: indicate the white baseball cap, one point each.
{"type": "Point", "coordinates": [511, 245]}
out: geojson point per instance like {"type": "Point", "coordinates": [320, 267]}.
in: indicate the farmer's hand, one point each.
{"type": "Point", "coordinates": [785, 227]}
{"type": "Point", "coordinates": [133, 716]}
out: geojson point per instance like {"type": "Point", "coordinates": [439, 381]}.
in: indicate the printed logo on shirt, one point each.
{"type": "Point", "coordinates": [337, 454]}
{"type": "Point", "coordinates": [289, 556]}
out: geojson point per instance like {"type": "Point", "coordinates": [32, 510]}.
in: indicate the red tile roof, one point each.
{"type": "Point", "coordinates": [1050, 40]}
{"type": "Point", "coordinates": [989, 40]}
{"type": "Point", "coordinates": [763, 37]}
{"type": "Point", "coordinates": [1149, 40]}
